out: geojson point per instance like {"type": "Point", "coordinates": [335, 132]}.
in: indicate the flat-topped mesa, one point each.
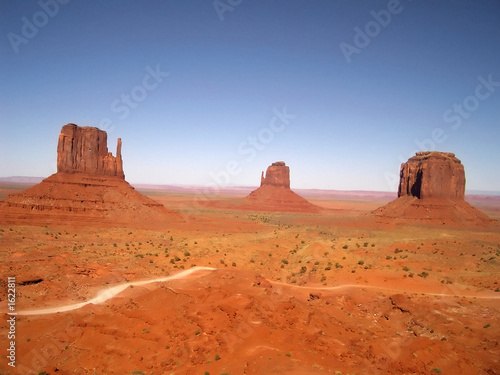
{"type": "Point", "coordinates": [85, 150]}
{"type": "Point", "coordinates": [277, 174]}
{"type": "Point", "coordinates": [432, 174]}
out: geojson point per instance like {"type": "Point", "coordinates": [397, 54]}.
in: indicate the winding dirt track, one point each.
{"type": "Point", "coordinates": [110, 292]}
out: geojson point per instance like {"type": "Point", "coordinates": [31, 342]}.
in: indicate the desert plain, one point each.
{"type": "Point", "coordinates": [253, 292]}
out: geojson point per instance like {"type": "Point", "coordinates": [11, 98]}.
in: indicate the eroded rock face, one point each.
{"type": "Point", "coordinates": [277, 174]}
{"type": "Point", "coordinates": [432, 174]}
{"type": "Point", "coordinates": [85, 150]}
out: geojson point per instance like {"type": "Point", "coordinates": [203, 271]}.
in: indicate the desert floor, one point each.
{"type": "Point", "coordinates": [268, 293]}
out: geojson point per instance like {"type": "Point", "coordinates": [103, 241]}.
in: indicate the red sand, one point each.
{"type": "Point", "coordinates": [272, 307]}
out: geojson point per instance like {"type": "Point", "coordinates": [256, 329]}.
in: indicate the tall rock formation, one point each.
{"type": "Point", "coordinates": [274, 193]}
{"type": "Point", "coordinates": [88, 189]}
{"type": "Point", "coordinates": [432, 174]}
{"type": "Point", "coordinates": [431, 191]}
{"type": "Point", "coordinates": [277, 174]}
{"type": "Point", "coordinates": [85, 150]}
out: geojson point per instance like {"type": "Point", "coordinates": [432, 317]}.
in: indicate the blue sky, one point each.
{"type": "Point", "coordinates": [212, 92]}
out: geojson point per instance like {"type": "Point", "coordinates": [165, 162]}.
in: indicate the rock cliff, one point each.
{"type": "Point", "coordinates": [431, 192]}
{"type": "Point", "coordinates": [277, 174]}
{"type": "Point", "coordinates": [89, 189]}
{"type": "Point", "coordinates": [274, 193]}
{"type": "Point", "coordinates": [85, 150]}
{"type": "Point", "coordinates": [432, 174]}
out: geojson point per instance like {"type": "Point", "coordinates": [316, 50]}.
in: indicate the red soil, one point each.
{"type": "Point", "coordinates": [432, 211]}
{"type": "Point", "coordinates": [267, 198]}
{"type": "Point", "coordinates": [274, 306]}
{"type": "Point", "coordinates": [81, 199]}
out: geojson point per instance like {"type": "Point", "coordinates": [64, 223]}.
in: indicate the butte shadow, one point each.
{"type": "Point", "coordinates": [431, 192]}
{"type": "Point", "coordinates": [88, 189]}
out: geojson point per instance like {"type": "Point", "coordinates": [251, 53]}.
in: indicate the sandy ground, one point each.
{"type": "Point", "coordinates": [282, 293]}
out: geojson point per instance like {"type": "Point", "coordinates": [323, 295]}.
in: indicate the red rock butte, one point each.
{"type": "Point", "coordinates": [274, 193]}
{"type": "Point", "coordinates": [431, 191]}
{"type": "Point", "coordinates": [432, 175]}
{"type": "Point", "coordinates": [85, 150]}
{"type": "Point", "coordinates": [88, 189]}
{"type": "Point", "coordinates": [277, 174]}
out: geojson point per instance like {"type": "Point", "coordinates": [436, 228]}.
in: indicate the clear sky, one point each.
{"type": "Point", "coordinates": [204, 92]}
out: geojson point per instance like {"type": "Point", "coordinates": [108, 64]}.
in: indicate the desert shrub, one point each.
{"type": "Point", "coordinates": [345, 247]}
{"type": "Point", "coordinates": [285, 261]}
{"type": "Point", "coordinates": [361, 262]}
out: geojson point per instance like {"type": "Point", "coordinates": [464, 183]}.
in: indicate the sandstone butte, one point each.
{"type": "Point", "coordinates": [85, 150]}
{"type": "Point", "coordinates": [89, 188]}
{"type": "Point", "coordinates": [431, 191]}
{"type": "Point", "coordinates": [274, 193]}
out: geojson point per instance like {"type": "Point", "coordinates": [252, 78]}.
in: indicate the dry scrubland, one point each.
{"type": "Point", "coordinates": [333, 293]}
